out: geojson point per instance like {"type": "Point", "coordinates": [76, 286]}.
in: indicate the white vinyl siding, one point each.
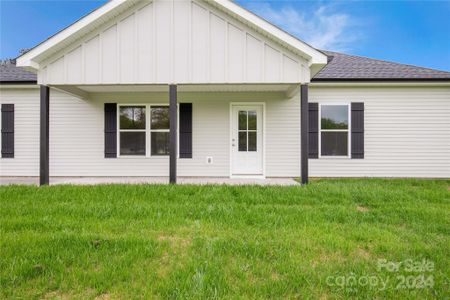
{"type": "Point", "coordinates": [407, 132]}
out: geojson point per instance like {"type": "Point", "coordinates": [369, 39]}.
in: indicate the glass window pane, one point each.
{"type": "Point", "coordinates": [160, 143]}
{"type": "Point", "coordinates": [243, 141]}
{"type": "Point", "coordinates": [132, 143]}
{"type": "Point", "coordinates": [160, 117]}
{"type": "Point", "coordinates": [242, 120]}
{"type": "Point", "coordinates": [252, 141]}
{"type": "Point", "coordinates": [252, 120]}
{"type": "Point", "coordinates": [334, 143]}
{"type": "Point", "coordinates": [334, 116]}
{"type": "Point", "coordinates": [132, 117]}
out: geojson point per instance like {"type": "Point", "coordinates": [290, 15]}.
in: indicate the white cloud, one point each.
{"type": "Point", "coordinates": [323, 28]}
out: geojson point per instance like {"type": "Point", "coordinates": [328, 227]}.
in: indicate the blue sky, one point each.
{"type": "Point", "coordinates": [412, 32]}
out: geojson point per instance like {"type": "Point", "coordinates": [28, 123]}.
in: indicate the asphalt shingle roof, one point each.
{"type": "Point", "coordinates": [11, 73]}
{"type": "Point", "coordinates": [340, 67]}
{"type": "Point", "coordinates": [349, 67]}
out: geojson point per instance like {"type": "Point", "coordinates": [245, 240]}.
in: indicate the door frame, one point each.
{"type": "Point", "coordinates": [263, 105]}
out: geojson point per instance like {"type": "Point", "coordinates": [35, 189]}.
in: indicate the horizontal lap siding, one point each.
{"type": "Point", "coordinates": [77, 135]}
{"type": "Point", "coordinates": [26, 133]}
{"type": "Point", "coordinates": [406, 132]}
{"type": "Point", "coordinates": [283, 137]}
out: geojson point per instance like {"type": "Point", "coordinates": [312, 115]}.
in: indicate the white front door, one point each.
{"type": "Point", "coordinates": [247, 140]}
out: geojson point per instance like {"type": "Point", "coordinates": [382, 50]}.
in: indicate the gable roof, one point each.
{"type": "Point", "coordinates": [344, 67]}
{"type": "Point", "coordinates": [32, 58]}
{"type": "Point", "coordinates": [9, 73]}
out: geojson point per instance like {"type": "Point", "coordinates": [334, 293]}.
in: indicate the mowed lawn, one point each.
{"type": "Point", "coordinates": [321, 241]}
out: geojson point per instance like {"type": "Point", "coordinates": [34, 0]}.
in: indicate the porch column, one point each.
{"type": "Point", "coordinates": [304, 132]}
{"type": "Point", "coordinates": [173, 133]}
{"type": "Point", "coordinates": [44, 136]}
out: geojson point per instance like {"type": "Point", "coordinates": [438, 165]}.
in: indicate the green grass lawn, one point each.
{"type": "Point", "coordinates": [324, 240]}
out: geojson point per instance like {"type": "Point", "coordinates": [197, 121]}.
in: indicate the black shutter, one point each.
{"type": "Point", "coordinates": [8, 130]}
{"type": "Point", "coordinates": [357, 130]}
{"type": "Point", "coordinates": [110, 130]}
{"type": "Point", "coordinates": [313, 132]}
{"type": "Point", "coordinates": [185, 130]}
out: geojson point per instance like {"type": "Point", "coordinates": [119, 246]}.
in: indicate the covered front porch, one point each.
{"type": "Point", "coordinates": [229, 64]}
{"type": "Point", "coordinates": [204, 144]}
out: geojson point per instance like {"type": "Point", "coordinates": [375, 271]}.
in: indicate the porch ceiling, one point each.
{"type": "Point", "coordinates": [83, 91]}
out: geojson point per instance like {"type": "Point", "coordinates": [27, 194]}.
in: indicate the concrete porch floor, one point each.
{"type": "Point", "coordinates": [148, 180]}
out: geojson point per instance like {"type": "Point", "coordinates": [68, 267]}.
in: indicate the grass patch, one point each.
{"type": "Point", "coordinates": [217, 241]}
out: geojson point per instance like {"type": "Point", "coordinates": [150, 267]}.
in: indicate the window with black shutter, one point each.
{"type": "Point", "coordinates": [129, 127]}
{"type": "Point", "coordinates": [7, 111]}
{"type": "Point", "coordinates": [357, 130]}
{"type": "Point", "coordinates": [313, 130]}
{"type": "Point", "coordinates": [110, 130]}
{"type": "Point", "coordinates": [185, 130]}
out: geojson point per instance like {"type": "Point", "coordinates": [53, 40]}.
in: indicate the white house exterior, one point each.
{"type": "Point", "coordinates": [207, 89]}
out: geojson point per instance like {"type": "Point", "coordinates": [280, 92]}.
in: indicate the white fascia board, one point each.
{"type": "Point", "coordinates": [413, 83]}
{"type": "Point", "coordinates": [12, 86]}
{"type": "Point", "coordinates": [315, 56]}
{"type": "Point", "coordinates": [26, 60]}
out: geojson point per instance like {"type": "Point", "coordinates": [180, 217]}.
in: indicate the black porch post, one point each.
{"type": "Point", "coordinates": [173, 132]}
{"type": "Point", "coordinates": [44, 136]}
{"type": "Point", "coordinates": [304, 132]}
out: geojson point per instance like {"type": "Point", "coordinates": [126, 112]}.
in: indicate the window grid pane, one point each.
{"type": "Point", "coordinates": [334, 117]}
{"type": "Point", "coordinates": [132, 143]}
{"type": "Point", "coordinates": [242, 141]}
{"type": "Point", "coordinates": [132, 117]}
{"type": "Point", "coordinates": [334, 143]}
{"type": "Point", "coordinates": [160, 143]}
{"type": "Point", "coordinates": [252, 141]}
{"type": "Point", "coordinates": [252, 120]}
{"type": "Point", "coordinates": [242, 120]}
{"type": "Point", "coordinates": [160, 117]}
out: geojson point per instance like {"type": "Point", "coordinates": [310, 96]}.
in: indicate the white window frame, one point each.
{"type": "Point", "coordinates": [148, 131]}
{"type": "Point", "coordinates": [132, 130]}
{"type": "Point", "coordinates": [335, 130]}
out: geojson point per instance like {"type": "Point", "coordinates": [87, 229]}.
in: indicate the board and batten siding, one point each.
{"type": "Point", "coordinates": [174, 41]}
{"type": "Point", "coordinates": [407, 132]}
{"type": "Point", "coordinates": [77, 135]}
